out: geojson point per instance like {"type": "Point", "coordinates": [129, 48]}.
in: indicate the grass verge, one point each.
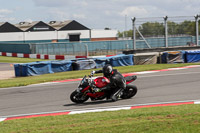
{"type": "Point", "coordinates": [23, 81]}
{"type": "Point", "coordinates": [5, 59]}
{"type": "Point", "coordinates": [176, 119]}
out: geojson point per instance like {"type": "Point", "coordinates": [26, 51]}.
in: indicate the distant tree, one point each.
{"type": "Point", "coordinates": [128, 33]}
{"type": "Point", "coordinates": [188, 27]}
{"type": "Point", "coordinates": [172, 28]}
{"type": "Point", "coordinates": [152, 29]}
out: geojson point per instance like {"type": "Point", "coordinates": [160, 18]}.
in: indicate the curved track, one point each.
{"type": "Point", "coordinates": [167, 86]}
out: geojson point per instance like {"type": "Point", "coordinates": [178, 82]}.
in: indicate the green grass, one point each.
{"type": "Point", "coordinates": [4, 59]}
{"type": "Point", "coordinates": [172, 119]}
{"type": "Point", "coordinates": [23, 81]}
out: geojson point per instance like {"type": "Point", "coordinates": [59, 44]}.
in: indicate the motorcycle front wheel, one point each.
{"type": "Point", "coordinates": [129, 92]}
{"type": "Point", "coordinates": [78, 97]}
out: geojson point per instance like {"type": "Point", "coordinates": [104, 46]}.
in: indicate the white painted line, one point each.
{"type": "Point", "coordinates": [89, 110]}
{"type": "Point", "coordinates": [191, 66]}
{"type": "Point", "coordinates": [176, 68]}
{"type": "Point", "coordinates": [2, 119]}
{"type": "Point", "coordinates": [100, 110]}
{"type": "Point", "coordinates": [196, 102]}
{"type": "Point", "coordinates": [146, 72]}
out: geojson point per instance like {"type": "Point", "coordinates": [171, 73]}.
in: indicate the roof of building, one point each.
{"type": "Point", "coordinates": [7, 27]}
{"type": "Point", "coordinates": [34, 26]}
{"type": "Point", "coordinates": [67, 25]}
{"type": "Point", "coordinates": [59, 24]}
{"type": "Point", "coordinates": [51, 26]}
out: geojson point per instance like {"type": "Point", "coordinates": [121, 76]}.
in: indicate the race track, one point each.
{"type": "Point", "coordinates": [166, 86]}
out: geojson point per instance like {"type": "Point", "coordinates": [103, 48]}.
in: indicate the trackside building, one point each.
{"type": "Point", "coordinates": [53, 31]}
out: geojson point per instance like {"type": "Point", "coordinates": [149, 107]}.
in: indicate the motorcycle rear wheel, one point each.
{"type": "Point", "coordinates": [77, 97]}
{"type": "Point", "coordinates": [129, 92]}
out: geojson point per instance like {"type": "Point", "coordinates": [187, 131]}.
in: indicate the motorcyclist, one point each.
{"type": "Point", "coordinates": [117, 82]}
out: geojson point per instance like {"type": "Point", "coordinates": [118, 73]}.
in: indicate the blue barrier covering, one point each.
{"type": "Point", "coordinates": [192, 56]}
{"type": "Point", "coordinates": [117, 60]}
{"type": "Point", "coordinates": [100, 62]}
{"type": "Point", "coordinates": [83, 64]}
{"type": "Point", "coordinates": [173, 57]}
{"type": "Point", "coordinates": [38, 68]}
{"type": "Point", "coordinates": [20, 70]}
{"type": "Point", "coordinates": [42, 67]}
{"type": "Point", "coordinates": [121, 60]}
{"type": "Point", "coordinates": [61, 66]}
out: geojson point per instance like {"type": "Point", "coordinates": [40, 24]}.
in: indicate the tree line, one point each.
{"type": "Point", "coordinates": [153, 29]}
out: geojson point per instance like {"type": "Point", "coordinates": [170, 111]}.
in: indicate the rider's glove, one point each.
{"type": "Point", "coordinates": [93, 72]}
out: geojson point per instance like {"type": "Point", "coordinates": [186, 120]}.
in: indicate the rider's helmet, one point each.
{"type": "Point", "coordinates": [107, 70]}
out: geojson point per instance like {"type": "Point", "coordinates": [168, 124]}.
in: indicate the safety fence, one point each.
{"type": "Point", "coordinates": [167, 31]}
{"type": "Point", "coordinates": [107, 47]}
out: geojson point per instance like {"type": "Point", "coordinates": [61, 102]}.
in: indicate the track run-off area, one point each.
{"type": "Point", "coordinates": [166, 87]}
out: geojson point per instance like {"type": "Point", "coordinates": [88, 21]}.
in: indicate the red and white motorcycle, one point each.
{"type": "Point", "coordinates": [87, 89]}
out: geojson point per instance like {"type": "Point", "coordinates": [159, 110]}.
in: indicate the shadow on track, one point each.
{"type": "Point", "coordinates": [88, 103]}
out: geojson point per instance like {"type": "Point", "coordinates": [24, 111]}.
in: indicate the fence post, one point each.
{"type": "Point", "coordinates": [166, 31]}
{"type": "Point", "coordinates": [86, 47]}
{"type": "Point", "coordinates": [134, 33]}
{"type": "Point", "coordinates": [197, 29]}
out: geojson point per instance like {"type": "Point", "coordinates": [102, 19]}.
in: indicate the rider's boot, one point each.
{"type": "Point", "coordinates": [114, 97]}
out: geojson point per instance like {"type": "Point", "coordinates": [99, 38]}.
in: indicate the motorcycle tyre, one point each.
{"type": "Point", "coordinates": [126, 94]}
{"type": "Point", "coordinates": [73, 99]}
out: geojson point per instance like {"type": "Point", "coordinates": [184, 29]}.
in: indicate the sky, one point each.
{"type": "Point", "coordinates": [94, 14]}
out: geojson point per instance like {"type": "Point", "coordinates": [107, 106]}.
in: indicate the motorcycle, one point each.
{"type": "Point", "coordinates": [89, 88]}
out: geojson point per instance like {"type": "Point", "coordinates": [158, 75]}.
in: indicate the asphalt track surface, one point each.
{"type": "Point", "coordinates": [166, 86]}
{"type": "Point", "coordinates": [6, 67]}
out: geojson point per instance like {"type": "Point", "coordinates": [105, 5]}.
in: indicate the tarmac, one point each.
{"type": "Point", "coordinates": [6, 71]}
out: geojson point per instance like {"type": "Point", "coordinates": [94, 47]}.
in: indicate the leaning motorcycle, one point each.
{"type": "Point", "coordinates": [91, 88]}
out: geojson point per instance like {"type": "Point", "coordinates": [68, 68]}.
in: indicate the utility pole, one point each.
{"type": "Point", "coordinates": [166, 31]}
{"type": "Point", "coordinates": [134, 33]}
{"type": "Point", "coordinates": [197, 28]}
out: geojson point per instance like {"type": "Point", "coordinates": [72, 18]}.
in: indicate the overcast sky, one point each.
{"type": "Point", "coordinates": [95, 14]}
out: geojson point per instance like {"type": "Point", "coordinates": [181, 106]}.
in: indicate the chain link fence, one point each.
{"type": "Point", "coordinates": [165, 31]}
{"type": "Point", "coordinates": [147, 33]}
{"type": "Point", "coordinates": [82, 48]}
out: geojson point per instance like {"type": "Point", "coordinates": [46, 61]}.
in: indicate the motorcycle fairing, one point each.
{"type": "Point", "coordinates": [101, 82]}
{"type": "Point", "coordinates": [96, 95]}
